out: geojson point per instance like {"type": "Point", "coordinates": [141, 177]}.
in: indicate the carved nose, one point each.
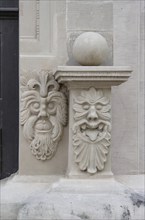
{"type": "Point", "coordinates": [92, 115]}
{"type": "Point", "coordinates": [43, 112]}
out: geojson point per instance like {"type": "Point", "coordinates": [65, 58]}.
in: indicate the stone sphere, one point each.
{"type": "Point", "coordinates": [90, 49]}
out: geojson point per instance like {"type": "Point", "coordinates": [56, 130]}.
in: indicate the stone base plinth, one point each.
{"type": "Point", "coordinates": [85, 199]}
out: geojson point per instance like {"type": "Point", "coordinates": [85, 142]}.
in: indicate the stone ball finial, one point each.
{"type": "Point", "coordinates": [90, 49]}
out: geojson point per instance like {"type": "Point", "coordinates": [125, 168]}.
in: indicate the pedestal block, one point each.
{"type": "Point", "coordinates": [90, 116]}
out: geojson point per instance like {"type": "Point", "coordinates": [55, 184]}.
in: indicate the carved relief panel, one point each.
{"type": "Point", "coordinates": [37, 38]}
{"type": "Point", "coordinates": [91, 130]}
{"type": "Point", "coordinates": [43, 113]}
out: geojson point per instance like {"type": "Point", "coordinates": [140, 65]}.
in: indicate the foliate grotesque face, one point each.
{"type": "Point", "coordinates": [91, 139]}
{"type": "Point", "coordinates": [43, 113]}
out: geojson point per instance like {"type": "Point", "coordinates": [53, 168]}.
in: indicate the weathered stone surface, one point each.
{"type": "Point", "coordinates": [85, 199]}
{"type": "Point", "coordinates": [17, 191]}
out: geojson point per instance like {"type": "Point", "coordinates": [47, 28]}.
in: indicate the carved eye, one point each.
{"type": "Point", "coordinates": [86, 106]}
{"type": "Point", "coordinates": [36, 105]}
{"type": "Point", "coordinates": [51, 105]}
{"type": "Point", "coordinates": [98, 106]}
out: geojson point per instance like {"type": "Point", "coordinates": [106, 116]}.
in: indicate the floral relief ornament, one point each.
{"type": "Point", "coordinates": [43, 113]}
{"type": "Point", "coordinates": [91, 130]}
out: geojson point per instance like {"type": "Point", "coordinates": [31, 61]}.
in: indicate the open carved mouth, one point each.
{"type": "Point", "coordinates": [43, 126]}
{"type": "Point", "coordinates": [93, 130]}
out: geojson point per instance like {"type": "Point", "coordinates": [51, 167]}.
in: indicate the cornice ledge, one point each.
{"type": "Point", "coordinates": [100, 76]}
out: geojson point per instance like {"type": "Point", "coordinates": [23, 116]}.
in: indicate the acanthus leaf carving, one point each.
{"type": "Point", "coordinates": [91, 130]}
{"type": "Point", "coordinates": [43, 113]}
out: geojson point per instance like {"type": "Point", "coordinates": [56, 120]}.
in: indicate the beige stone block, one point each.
{"type": "Point", "coordinates": [128, 99]}
{"type": "Point", "coordinates": [90, 15]}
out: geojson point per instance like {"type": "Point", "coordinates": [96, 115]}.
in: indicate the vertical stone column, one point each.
{"type": "Point", "coordinates": [90, 116]}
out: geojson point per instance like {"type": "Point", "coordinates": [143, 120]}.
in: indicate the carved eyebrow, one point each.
{"type": "Point", "coordinates": [56, 99]}
{"type": "Point", "coordinates": [29, 97]}
{"type": "Point", "coordinates": [82, 102]}
{"type": "Point", "coordinates": [101, 103]}
{"type": "Point", "coordinates": [55, 96]}
{"type": "Point", "coordinates": [28, 102]}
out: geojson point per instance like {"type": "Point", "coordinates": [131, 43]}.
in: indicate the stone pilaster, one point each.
{"type": "Point", "coordinates": [90, 116]}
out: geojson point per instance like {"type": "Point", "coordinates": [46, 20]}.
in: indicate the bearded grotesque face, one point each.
{"type": "Point", "coordinates": [91, 131]}
{"type": "Point", "coordinates": [43, 113]}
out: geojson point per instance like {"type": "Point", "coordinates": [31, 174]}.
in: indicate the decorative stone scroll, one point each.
{"type": "Point", "coordinates": [43, 113]}
{"type": "Point", "coordinates": [91, 130]}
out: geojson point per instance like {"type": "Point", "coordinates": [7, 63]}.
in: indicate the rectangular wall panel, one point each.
{"type": "Point", "coordinates": [36, 27]}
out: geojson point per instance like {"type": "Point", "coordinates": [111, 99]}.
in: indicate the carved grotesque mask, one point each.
{"type": "Point", "coordinates": [43, 114]}
{"type": "Point", "coordinates": [91, 129]}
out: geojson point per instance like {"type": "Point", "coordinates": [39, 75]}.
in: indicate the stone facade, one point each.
{"type": "Point", "coordinates": [81, 127]}
{"type": "Point", "coordinates": [45, 45]}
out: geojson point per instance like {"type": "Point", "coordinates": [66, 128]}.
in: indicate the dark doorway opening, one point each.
{"type": "Point", "coordinates": [9, 86]}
